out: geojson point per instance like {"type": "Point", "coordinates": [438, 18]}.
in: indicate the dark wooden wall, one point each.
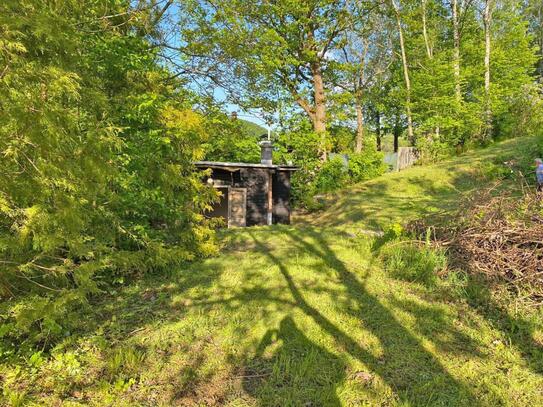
{"type": "Point", "coordinates": [256, 182]}
{"type": "Point", "coordinates": [231, 178]}
{"type": "Point", "coordinates": [224, 177]}
{"type": "Point", "coordinates": [281, 197]}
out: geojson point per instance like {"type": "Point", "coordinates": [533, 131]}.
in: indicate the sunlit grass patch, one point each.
{"type": "Point", "coordinates": [414, 262]}
{"type": "Point", "coordinates": [299, 315]}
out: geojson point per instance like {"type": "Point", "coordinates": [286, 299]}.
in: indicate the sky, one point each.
{"type": "Point", "coordinates": [253, 116]}
{"type": "Point", "coordinates": [219, 94]}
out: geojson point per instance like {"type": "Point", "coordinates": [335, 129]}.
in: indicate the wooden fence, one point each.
{"type": "Point", "coordinates": [404, 158]}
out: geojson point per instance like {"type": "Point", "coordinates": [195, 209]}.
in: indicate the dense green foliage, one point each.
{"type": "Point", "coordinates": [97, 145]}
{"type": "Point", "coordinates": [364, 67]}
{"type": "Point", "coordinates": [338, 172]}
{"type": "Point", "coordinates": [106, 104]}
{"type": "Point", "coordinates": [233, 140]}
{"type": "Point", "coordinates": [366, 165]}
{"type": "Point", "coordinates": [291, 315]}
{"type": "Point", "coordinates": [443, 76]}
{"type": "Point", "coordinates": [332, 175]}
{"type": "Point", "coordinates": [299, 145]}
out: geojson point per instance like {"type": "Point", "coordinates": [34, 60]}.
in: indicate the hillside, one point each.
{"type": "Point", "coordinates": [306, 316]}
{"type": "Point", "coordinates": [251, 129]}
{"type": "Point", "coordinates": [423, 191]}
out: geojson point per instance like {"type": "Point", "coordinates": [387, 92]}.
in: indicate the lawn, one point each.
{"type": "Point", "coordinates": [304, 315]}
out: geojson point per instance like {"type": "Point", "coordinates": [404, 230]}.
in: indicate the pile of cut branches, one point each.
{"type": "Point", "coordinates": [500, 237]}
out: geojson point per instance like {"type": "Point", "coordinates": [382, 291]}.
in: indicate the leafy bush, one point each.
{"type": "Point", "coordinates": [232, 140]}
{"type": "Point", "coordinates": [300, 145]}
{"type": "Point", "coordinates": [366, 165]}
{"type": "Point", "coordinates": [433, 150]}
{"type": "Point", "coordinates": [332, 176]}
{"type": "Point", "coordinates": [524, 113]}
{"type": "Point", "coordinates": [97, 144]}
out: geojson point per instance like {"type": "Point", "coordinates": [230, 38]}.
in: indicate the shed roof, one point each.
{"type": "Point", "coordinates": [233, 166]}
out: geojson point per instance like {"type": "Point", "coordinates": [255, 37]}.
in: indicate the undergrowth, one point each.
{"type": "Point", "coordinates": [414, 263]}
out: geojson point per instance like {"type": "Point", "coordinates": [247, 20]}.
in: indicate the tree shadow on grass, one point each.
{"type": "Point", "coordinates": [298, 371]}
{"type": "Point", "coordinates": [405, 365]}
{"type": "Point", "coordinates": [516, 330]}
{"type": "Point", "coordinates": [129, 308]}
{"type": "Point", "coordinates": [433, 323]}
{"type": "Point", "coordinates": [382, 201]}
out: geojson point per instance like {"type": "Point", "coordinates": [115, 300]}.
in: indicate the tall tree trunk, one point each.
{"type": "Point", "coordinates": [487, 19]}
{"type": "Point", "coordinates": [319, 117]}
{"type": "Point", "coordinates": [539, 36]}
{"type": "Point", "coordinates": [378, 130]}
{"type": "Point", "coordinates": [359, 94]}
{"type": "Point", "coordinates": [456, 52]}
{"type": "Point", "coordinates": [410, 134]}
{"type": "Point", "coordinates": [360, 130]}
{"type": "Point", "coordinates": [397, 132]}
{"type": "Point", "coordinates": [429, 50]}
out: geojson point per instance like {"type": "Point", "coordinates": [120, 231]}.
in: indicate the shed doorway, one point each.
{"type": "Point", "coordinates": [237, 207]}
{"type": "Point", "coordinates": [232, 206]}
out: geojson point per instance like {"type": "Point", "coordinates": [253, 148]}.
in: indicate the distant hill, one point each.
{"type": "Point", "coordinates": [252, 129]}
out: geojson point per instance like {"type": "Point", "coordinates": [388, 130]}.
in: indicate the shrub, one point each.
{"type": "Point", "coordinates": [107, 187]}
{"type": "Point", "coordinates": [332, 176]}
{"type": "Point", "coordinates": [301, 146]}
{"type": "Point", "coordinates": [366, 165]}
{"type": "Point", "coordinates": [433, 150]}
{"type": "Point", "coordinates": [524, 114]}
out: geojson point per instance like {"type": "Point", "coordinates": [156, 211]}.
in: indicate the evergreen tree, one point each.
{"type": "Point", "coordinates": [97, 143]}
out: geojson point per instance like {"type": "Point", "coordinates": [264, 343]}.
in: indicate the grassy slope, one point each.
{"type": "Point", "coordinates": [420, 191]}
{"type": "Point", "coordinates": [305, 316]}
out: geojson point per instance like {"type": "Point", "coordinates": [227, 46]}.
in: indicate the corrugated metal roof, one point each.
{"type": "Point", "coordinates": [219, 164]}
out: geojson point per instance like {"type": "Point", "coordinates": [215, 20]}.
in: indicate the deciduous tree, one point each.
{"type": "Point", "coordinates": [269, 50]}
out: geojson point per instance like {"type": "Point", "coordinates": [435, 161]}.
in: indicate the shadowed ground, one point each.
{"type": "Point", "coordinates": [305, 316]}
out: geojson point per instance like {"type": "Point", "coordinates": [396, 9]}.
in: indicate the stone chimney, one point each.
{"type": "Point", "coordinates": [266, 152]}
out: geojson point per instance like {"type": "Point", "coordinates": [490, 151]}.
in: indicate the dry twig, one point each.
{"type": "Point", "coordinates": [500, 237]}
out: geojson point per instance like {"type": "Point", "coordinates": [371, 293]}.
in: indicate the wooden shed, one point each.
{"type": "Point", "coordinates": [251, 194]}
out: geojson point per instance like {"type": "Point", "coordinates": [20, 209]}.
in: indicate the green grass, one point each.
{"type": "Point", "coordinates": [303, 316]}
{"type": "Point", "coordinates": [422, 191]}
